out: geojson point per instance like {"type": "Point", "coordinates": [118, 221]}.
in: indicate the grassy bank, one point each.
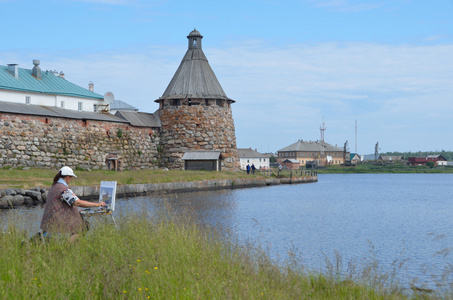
{"type": "Point", "coordinates": [159, 257]}
{"type": "Point", "coordinates": [388, 168]}
{"type": "Point", "coordinates": [41, 177]}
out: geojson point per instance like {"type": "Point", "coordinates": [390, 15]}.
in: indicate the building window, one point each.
{"type": "Point", "coordinates": [62, 104]}
{"type": "Point", "coordinates": [95, 107]}
{"type": "Point", "coordinates": [27, 100]}
{"type": "Point", "coordinates": [175, 102]}
{"type": "Point", "coordinates": [80, 106]}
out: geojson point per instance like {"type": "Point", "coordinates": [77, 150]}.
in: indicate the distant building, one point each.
{"type": "Point", "coordinates": [306, 151]}
{"type": "Point", "coordinates": [355, 158]}
{"type": "Point", "coordinates": [438, 160]}
{"type": "Point", "coordinates": [46, 88]}
{"type": "Point", "coordinates": [290, 164]}
{"type": "Point", "coordinates": [391, 158]}
{"type": "Point", "coordinates": [247, 156]}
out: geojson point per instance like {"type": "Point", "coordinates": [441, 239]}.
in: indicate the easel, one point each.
{"type": "Point", "coordinates": [86, 213]}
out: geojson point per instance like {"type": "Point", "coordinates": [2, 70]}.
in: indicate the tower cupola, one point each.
{"type": "Point", "coordinates": [194, 39]}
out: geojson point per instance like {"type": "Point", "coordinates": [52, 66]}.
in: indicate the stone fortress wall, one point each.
{"type": "Point", "coordinates": [46, 142]}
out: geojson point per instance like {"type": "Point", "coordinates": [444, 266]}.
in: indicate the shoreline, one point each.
{"type": "Point", "coordinates": [125, 190]}
{"type": "Point", "coordinates": [12, 197]}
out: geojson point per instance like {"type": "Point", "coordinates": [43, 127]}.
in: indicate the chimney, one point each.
{"type": "Point", "coordinates": [61, 74]}
{"type": "Point", "coordinates": [36, 71]}
{"type": "Point", "coordinates": [91, 86]}
{"type": "Point", "coordinates": [14, 70]}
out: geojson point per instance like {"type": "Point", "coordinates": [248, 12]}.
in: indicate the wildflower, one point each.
{"type": "Point", "coordinates": [146, 289]}
{"type": "Point", "coordinates": [125, 292]}
{"type": "Point", "coordinates": [147, 272]}
{"type": "Point", "coordinates": [155, 268]}
{"type": "Point", "coordinates": [39, 285]}
{"type": "Point", "coordinates": [139, 289]}
{"type": "Point", "coordinates": [138, 260]}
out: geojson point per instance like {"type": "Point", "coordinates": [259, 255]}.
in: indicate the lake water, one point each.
{"type": "Point", "coordinates": [362, 217]}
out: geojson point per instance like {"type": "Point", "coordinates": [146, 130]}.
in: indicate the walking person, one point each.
{"type": "Point", "coordinates": [248, 169]}
{"type": "Point", "coordinates": [253, 168]}
{"type": "Point", "coordinates": [61, 214]}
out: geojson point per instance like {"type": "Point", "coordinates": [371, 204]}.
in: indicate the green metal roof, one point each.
{"type": "Point", "coordinates": [48, 84]}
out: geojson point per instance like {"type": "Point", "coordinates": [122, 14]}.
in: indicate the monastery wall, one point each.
{"type": "Point", "coordinates": [43, 142]}
{"type": "Point", "coordinates": [204, 126]}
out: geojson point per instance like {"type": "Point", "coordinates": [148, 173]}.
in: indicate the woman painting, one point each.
{"type": "Point", "coordinates": [61, 214]}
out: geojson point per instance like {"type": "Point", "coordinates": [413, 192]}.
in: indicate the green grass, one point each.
{"type": "Point", "coordinates": [44, 177]}
{"type": "Point", "coordinates": [159, 257]}
{"type": "Point", "coordinates": [386, 168]}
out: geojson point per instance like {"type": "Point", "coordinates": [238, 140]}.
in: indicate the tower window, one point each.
{"type": "Point", "coordinates": [194, 43]}
{"type": "Point", "coordinates": [175, 102]}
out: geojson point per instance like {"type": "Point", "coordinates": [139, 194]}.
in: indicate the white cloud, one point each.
{"type": "Point", "coordinates": [401, 96]}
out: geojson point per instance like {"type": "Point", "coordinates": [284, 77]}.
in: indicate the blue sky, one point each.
{"type": "Point", "coordinates": [288, 64]}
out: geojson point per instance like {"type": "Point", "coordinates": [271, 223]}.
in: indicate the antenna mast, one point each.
{"type": "Point", "coordinates": [355, 136]}
{"type": "Point", "coordinates": [322, 128]}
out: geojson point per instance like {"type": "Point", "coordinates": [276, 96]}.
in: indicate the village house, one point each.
{"type": "Point", "coordinates": [247, 156]}
{"type": "Point", "coordinates": [438, 160]}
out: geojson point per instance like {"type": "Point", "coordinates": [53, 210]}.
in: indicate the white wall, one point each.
{"type": "Point", "coordinates": [264, 163]}
{"type": "Point", "coordinates": [49, 100]}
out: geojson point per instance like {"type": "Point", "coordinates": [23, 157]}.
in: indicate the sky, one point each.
{"type": "Point", "coordinates": [290, 65]}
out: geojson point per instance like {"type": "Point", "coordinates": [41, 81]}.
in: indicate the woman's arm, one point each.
{"type": "Point", "coordinates": [86, 204]}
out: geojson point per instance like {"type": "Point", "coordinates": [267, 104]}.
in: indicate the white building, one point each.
{"type": "Point", "coordinates": [248, 156]}
{"type": "Point", "coordinates": [46, 88]}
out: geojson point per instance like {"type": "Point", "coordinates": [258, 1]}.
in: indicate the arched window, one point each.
{"type": "Point", "coordinates": [194, 43]}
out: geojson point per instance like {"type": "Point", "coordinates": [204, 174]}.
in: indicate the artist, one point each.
{"type": "Point", "coordinates": [61, 214]}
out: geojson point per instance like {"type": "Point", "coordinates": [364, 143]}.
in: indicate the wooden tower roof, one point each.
{"type": "Point", "coordinates": [194, 77]}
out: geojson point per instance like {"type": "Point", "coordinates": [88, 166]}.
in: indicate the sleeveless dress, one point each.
{"type": "Point", "coordinates": [59, 216]}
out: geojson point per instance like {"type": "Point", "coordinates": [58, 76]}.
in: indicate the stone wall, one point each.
{"type": "Point", "coordinates": [204, 125]}
{"type": "Point", "coordinates": [33, 141]}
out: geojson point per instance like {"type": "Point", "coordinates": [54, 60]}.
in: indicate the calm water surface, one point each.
{"type": "Point", "coordinates": [388, 216]}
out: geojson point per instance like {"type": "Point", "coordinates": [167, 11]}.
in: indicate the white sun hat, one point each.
{"type": "Point", "coordinates": [67, 171]}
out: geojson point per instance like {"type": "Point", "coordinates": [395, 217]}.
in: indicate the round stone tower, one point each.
{"type": "Point", "coordinates": [195, 112]}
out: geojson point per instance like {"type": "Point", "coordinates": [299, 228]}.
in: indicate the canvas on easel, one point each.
{"type": "Point", "coordinates": [107, 193]}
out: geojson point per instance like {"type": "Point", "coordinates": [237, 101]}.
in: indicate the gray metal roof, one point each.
{"type": "Point", "coordinates": [194, 77]}
{"type": "Point", "coordinates": [310, 146]}
{"type": "Point", "coordinates": [201, 155]}
{"type": "Point", "coordinates": [120, 105]}
{"type": "Point", "coordinates": [249, 153]}
{"type": "Point", "coordinates": [140, 119]}
{"type": "Point", "coordinates": [50, 111]}
{"type": "Point", "coordinates": [291, 160]}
